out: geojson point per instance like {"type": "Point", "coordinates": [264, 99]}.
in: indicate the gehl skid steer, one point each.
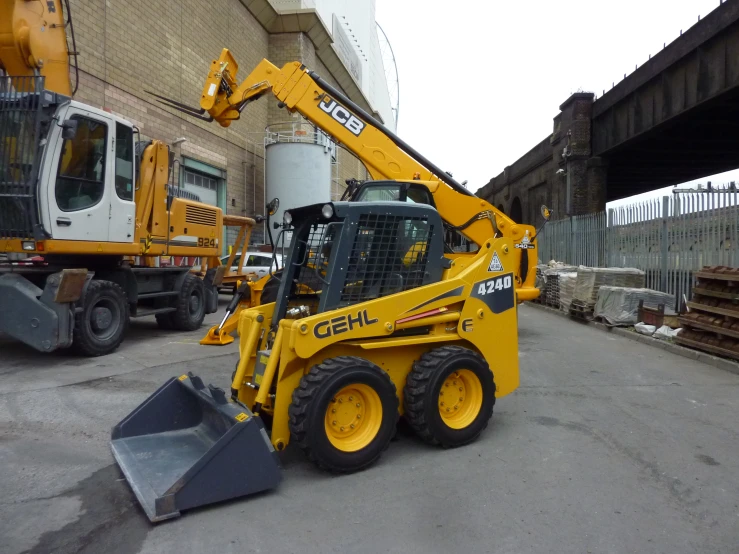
{"type": "Point", "coordinates": [373, 318]}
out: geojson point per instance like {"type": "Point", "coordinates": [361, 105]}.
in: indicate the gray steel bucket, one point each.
{"type": "Point", "coordinates": [187, 445]}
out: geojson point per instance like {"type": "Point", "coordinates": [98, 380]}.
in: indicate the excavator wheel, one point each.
{"type": "Point", "coordinates": [190, 305]}
{"type": "Point", "coordinates": [343, 414]}
{"type": "Point", "coordinates": [449, 396]}
{"type": "Point", "coordinates": [100, 326]}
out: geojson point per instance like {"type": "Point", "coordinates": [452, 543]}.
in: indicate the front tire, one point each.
{"type": "Point", "coordinates": [449, 396]}
{"type": "Point", "coordinates": [190, 305]}
{"type": "Point", "coordinates": [344, 413]}
{"type": "Point", "coordinates": [101, 325]}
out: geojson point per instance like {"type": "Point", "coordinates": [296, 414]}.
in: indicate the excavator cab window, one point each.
{"type": "Point", "coordinates": [80, 179]}
{"type": "Point", "coordinates": [124, 161]}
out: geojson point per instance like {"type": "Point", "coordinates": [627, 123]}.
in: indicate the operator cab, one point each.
{"type": "Point", "coordinates": [70, 166]}
{"type": "Point", "coordinates": [343, 253]}
{"type": "Point", "coordinates": [89, 177]}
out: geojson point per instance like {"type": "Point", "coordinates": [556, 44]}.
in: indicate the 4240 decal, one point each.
{"type": "Point", "coordinates": [496, 292]}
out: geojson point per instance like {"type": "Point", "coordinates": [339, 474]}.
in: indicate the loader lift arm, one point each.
{"type": "Point", "coordinates": [385, 155]}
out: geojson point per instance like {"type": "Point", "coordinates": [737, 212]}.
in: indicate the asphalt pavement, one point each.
{"type": "Point", "coordinates": [608, 446]}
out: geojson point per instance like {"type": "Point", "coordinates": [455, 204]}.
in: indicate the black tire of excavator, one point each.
{"type": "Point", "coordinates": [310, 401]}
{"type": "Point", "coordinates": [86, 341]}
{"type": "Point", "coordinates": [184, 319]}
{"type": "Point", "coordinates": [421, 395]}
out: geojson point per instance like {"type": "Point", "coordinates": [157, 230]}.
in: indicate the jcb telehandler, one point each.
{"type": "Point", "coordinates": [373, 319]}
{"type": "Point", "coordinates": [77, 189]}
{"type": "Point", "coordinates": [399, 172]}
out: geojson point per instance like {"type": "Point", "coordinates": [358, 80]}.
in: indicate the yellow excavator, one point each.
{"type": "Point", "coordinates": [398, 171]}
{"type": "Point", "coordinates": [79, 190]}
{"type": "Point", "coordinates": [373, 317]}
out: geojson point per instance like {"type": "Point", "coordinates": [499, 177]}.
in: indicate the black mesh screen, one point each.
{"type": "Point", "coordinates": [315, 258]}
{"type": "Point", "coordinates": [20, 114]}
{"type": "Point", "coordinates": [389, 255]}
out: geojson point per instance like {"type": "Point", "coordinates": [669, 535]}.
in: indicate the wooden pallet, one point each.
{"type": "Point", "coordinates": [713, 309]}
{"type": "Point", "coordinates": [707, 348]}
{"type": "Point", "coordinates": [581, 312]}
{"type": "Point", "coordinates": [715, 293]}
{"type": "Point", "coordinates": [705, 327]}
{"type": "Point", "coordinates": [719, 276]}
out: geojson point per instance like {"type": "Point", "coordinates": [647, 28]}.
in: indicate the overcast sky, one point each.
{"type": "Point", "coordinates": [480, 81]}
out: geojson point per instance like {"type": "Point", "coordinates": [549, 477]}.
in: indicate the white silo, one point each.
{"type": "Point", "coordinates": [298, 166]}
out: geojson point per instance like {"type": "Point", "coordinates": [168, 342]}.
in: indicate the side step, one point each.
{"type": "Point", "coordinates": [145, 295]}
{"type": "Point", "coordinates": [188, 446]}
{"type": "Point", "coordinates": [142, 313]}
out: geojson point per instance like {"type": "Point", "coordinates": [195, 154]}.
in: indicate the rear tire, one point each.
{"type": "Point", "coordinates": [344, 413]}
{"type": "Point", "coordinates": [190, 305]}
{"type": "Point", "coordinates": [101, 325]}
{"type": "Point", "coordinates": [449, 396]}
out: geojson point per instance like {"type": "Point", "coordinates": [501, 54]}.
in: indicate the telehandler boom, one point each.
{"type": "Point", "coordinates": [397, 168]}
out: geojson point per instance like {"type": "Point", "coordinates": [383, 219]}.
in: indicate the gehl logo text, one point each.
{"type": "Point", "coordinates": [342, 324]}
{"type": "Point", "coordinates": [341, 114]}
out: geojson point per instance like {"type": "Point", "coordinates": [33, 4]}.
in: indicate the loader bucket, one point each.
{"type": "Point", "coordinates": [187, 446]}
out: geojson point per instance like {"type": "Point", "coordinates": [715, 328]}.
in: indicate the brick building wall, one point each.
{"type": "Point", "coordinates": [127, 48]}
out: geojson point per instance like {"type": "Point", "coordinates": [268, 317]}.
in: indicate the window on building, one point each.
{"type": "Point", "coordinates": [80, 181]}
{"type": "Point", "coordinates": [192, 178]}
{"type": "Point", "coordinates": [123, 161]}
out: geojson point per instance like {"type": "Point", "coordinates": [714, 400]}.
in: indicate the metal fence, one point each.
{"type": "Point", "coordinates": [669, 238]}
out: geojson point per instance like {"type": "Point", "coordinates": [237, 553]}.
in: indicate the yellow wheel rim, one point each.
{"type": "Point", "coordinates": [353, 417]}
{"type": "Point", "coordinates": [460, 399]}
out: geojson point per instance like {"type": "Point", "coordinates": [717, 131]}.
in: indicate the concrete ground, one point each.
{"type": "Point", "coordinates": [609, 445]}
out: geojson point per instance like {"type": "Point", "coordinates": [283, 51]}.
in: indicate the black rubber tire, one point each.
{"type": "Point", "coordinates": [421, 395]}
{"type": "Point", "coordinates": [185, 318]}
{"type": "Point", "coordinates": [86, 339]}
{"type": "Point", "coordinates": [310, 402]}
{"type": "Point", "coordinates": [165, 321]}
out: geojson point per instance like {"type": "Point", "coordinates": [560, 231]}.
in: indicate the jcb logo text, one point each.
{"type": "Point", "coordinates": [341, 114]}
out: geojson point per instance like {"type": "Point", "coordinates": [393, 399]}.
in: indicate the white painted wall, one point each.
{"type": "Point", "coordinates": [357, 18]}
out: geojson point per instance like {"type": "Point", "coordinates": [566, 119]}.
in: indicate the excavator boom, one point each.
{"type": "Point", "coordinates": [33, 41]}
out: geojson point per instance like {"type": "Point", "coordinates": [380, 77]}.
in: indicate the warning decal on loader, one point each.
{"type": "Point", "coordinates": [495, 264]}
{"type": "Point", "coordinates": [496, 292]}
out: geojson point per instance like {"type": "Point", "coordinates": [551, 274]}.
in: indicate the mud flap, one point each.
{"type": "Point", "coordinates": [188, 446]}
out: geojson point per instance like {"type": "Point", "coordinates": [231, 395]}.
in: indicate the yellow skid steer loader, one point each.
{"type": "Point", "coordinates": [372, 321]}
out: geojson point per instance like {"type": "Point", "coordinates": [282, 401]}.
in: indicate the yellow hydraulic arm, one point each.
{"type": "Point", "coordinates": [384, 154]}
{"type": "Point", "coordinates": [33, 41]}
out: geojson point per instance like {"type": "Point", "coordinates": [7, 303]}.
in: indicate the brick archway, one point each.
{"type": "Point", "coordinates": [516, 210]}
